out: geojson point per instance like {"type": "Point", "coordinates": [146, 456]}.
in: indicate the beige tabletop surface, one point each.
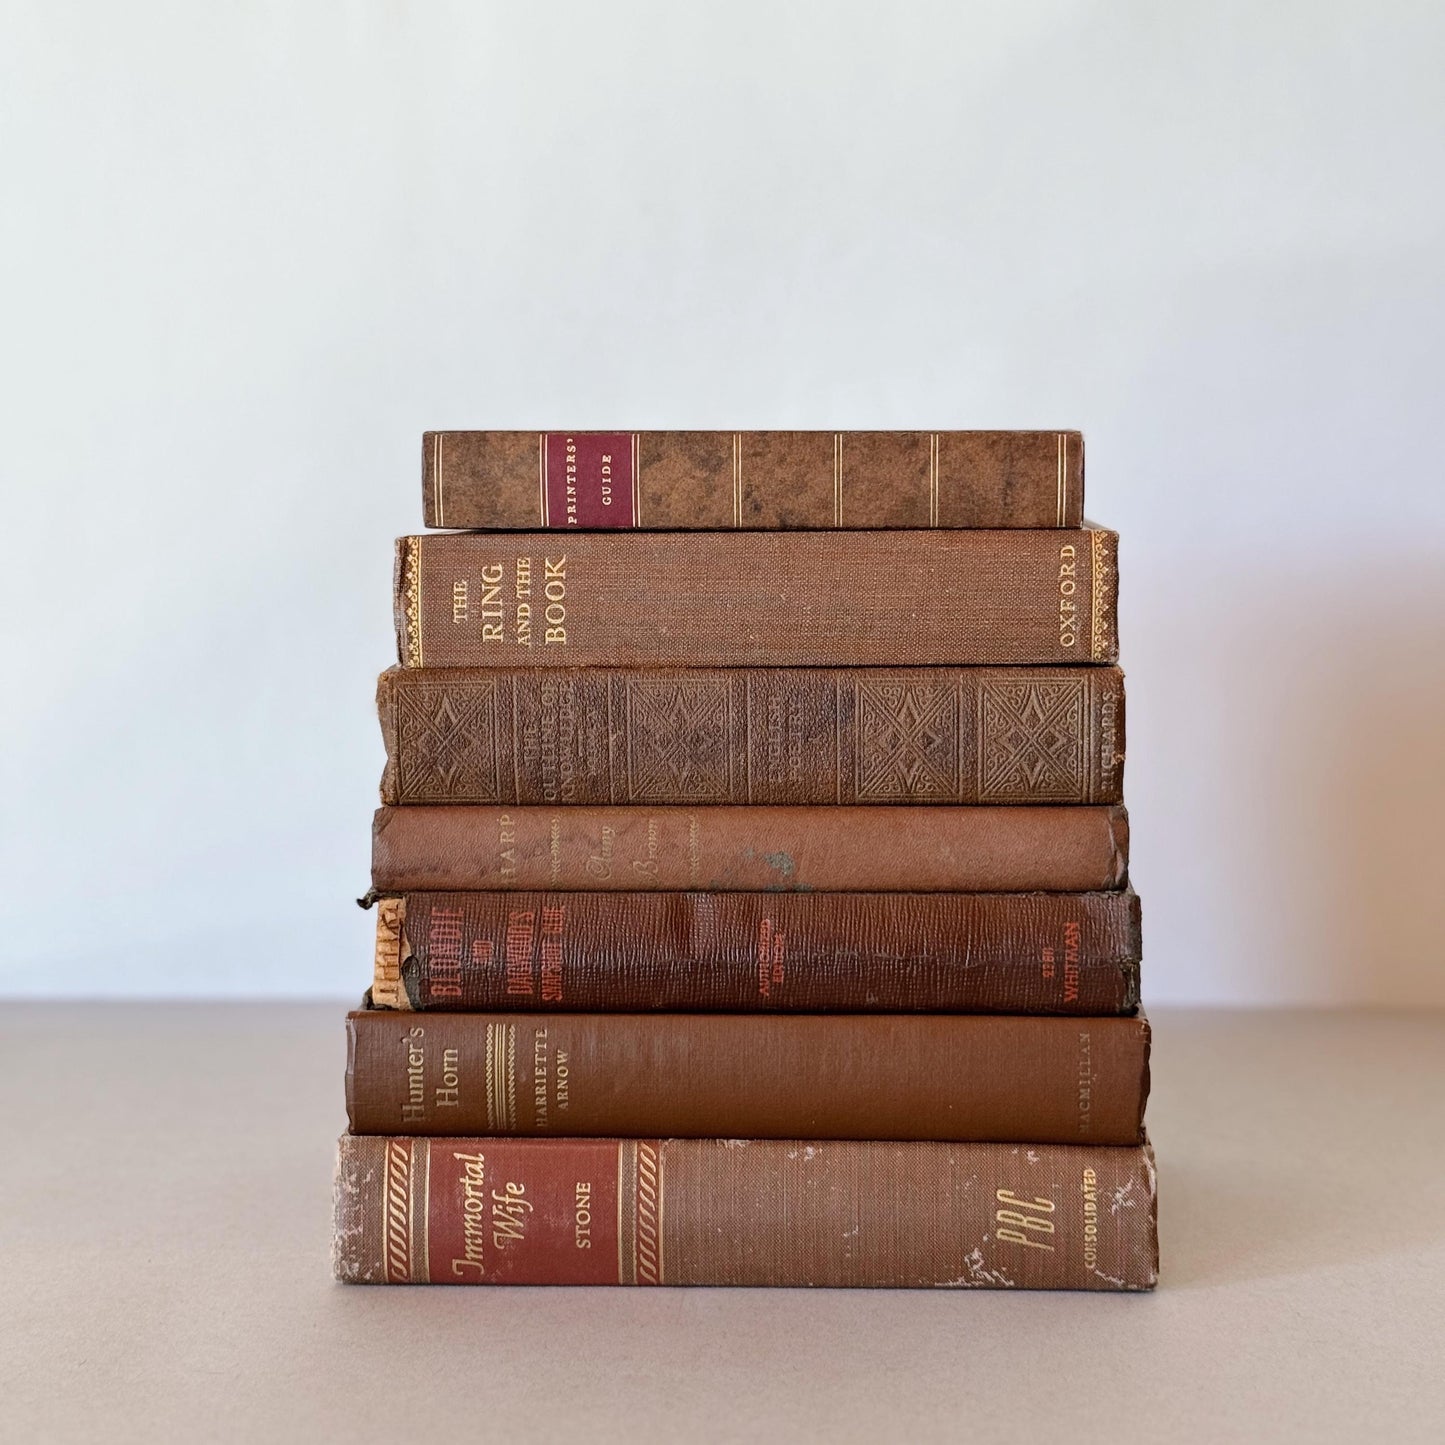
{"type": "Point", "coordinates": [164, 1268]}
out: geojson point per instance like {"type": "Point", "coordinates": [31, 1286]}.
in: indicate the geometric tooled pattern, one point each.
{"type": "Point", "coordinates": [1031, 741]}
{"type": "Point", "coordinates": [907, 741]}
{"type": "Point", "coordinates": [677, 740]}
{"type": "Point", "coordinates": [446, 743]}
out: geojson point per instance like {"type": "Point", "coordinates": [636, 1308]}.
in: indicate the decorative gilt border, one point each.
{"type": "Point", "coordinates": [501, 1076]}
{"type": "Point", "coordinates": [649, 1213]}
{"type": "Point", "coordinates": [1103, 583]}
{"type": "Point", "coordinates": [411, 598]}
{"type": "Point", "coordinates": [396, 1213]}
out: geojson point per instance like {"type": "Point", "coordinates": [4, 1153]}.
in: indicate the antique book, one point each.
{"type": "Point", "coordinates": [756, 599]}
{"type": "Point", "coordinates": [744, 1212]}
{"type": "Point", "coordinates": [752, 735]}
{"type": "Point", "coordinates": [1068, 953]}
{"type": "Point", "coordinates": [777, 480]}
{"type": "Point", "coordinates": [761, 1075]}
{"type": "Point", "coordinates": [921, 850]}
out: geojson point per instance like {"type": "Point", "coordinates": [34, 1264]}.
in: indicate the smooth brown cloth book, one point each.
{"type": "Point", "coordinates": [744, 1212]}
{"type": "Point", "coordinates": [765, 1076]}
{"type": "Point", "coordinates": [752, 735]}
{"type": "Point", "coordinates": [1074, 953]}
{"type": "Point", "coordinates": [756, 599]}
{"type": "Point", "coordinates": [922, 850]}
{"type": "Point", "coordinates": [777, 480]}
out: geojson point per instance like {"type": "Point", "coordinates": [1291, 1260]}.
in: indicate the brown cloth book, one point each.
{"type": "Point", "coordinates": [752, 735]}
{"type": "Point", "coordinates": [744, 1212]}
{"type": "Point", "coordinates": [765, 1076]}
{"type": "Point", "coordinates": [756, 599]}
{"type": "Point", "coordinates": [776, 480]}
{"type": "Point", "coordinates": [920, 850]}
{"type": "Point", "coordinates": [1068, 953]}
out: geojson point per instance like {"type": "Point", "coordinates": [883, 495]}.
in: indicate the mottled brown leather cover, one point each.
{"type": "Point", "coordinates": [923, 850]}
{"type": "Point", "coordinates": [1070, 953]}
{"type": "Point", "coordinates": [744, 1212]}
{"type": "Point", "coordinates": [752, 735]}
{"type": "Point", "coordinates": [766, 1076]}
{"type": "Point", "coordinates": [756, 599]}
{"type": "Point", "coordinates": [704, 480]}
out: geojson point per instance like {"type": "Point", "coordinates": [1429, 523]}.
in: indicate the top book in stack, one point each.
{"type": "Point", "coordinates": [707, 481]}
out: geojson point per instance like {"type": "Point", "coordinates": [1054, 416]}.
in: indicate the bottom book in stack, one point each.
{"type": "Point", "coordinates": [872, 1150]}
{"type": "Point", "coordinates": [921, 1214]}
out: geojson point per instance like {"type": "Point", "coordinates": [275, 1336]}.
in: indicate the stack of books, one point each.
{"type": "Point", "coordinates": [751, 877]}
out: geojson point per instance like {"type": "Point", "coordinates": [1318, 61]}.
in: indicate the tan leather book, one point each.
{"type": "Point", "coordinates": [1072, 953]}
{"type": "Point", "coordinates": [848, 849]}
{"type": "Point", "coordinates": [795, 735]}
{"type": "Point", "coordinates": [764, 1076]}
{"type": "Point", "coordinates": [744, 1212]}
{"type": "Point", "coordinates": [757, 599]}
{"type": "Point", "coordinates": [778, 480]}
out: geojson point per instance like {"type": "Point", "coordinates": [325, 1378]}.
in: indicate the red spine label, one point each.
{"type": "Point", "coordinates": [502, 1211]}
{"type": "Point", "coordinates": [589, 479]}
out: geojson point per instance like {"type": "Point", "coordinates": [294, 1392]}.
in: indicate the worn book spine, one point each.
{"type": "Point", "coordinates": [922, 850]}
{"type": "Point", "coordinates": [1065, 953]}
{"type": "Point", "coordinates": [752, 735]}
{"type": "Point", "coordinates": [744, 1212]}
{"type": "Point", "coordinates": [777, 480]}
{"type": "Point", "coordinates": [757, 599]}
{"type": "Point", "coordinates": [766, 1076]}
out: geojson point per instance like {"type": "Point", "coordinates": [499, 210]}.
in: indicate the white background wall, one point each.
{"type": "Point", "coordinates": [249, 251]}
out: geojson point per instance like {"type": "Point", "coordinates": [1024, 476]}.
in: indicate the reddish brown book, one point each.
{"type": "Point", "coordinates": [753, 735]}
{"type": "Point", "coordinates": [764, 1076]}
{"type": "Point", "coordinates": [1070, 953]}
{"type": "Point", "coordinates": [744, 1212]}
{"type": "Point", "coordinates": [721, 480]}
{"type": "Point", "coordinates": [756, 599]}
{"type": "Point", "coordinates": [879, 850]}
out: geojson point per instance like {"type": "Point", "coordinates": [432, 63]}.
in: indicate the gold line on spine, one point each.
{"type": "Point", "coordinates": [636, 479]}
{"type": "Point", "coordinates": [436, 475]}
{"type": "Point", "coordinates": [661, 1204]}
{"type": "Point", "coordinates": [737, 479]}
{"type": "Point", "coordinates": [511, 1076]}
{"type": "Point", "coordinates": [933, 479]}
{"type": "Point", "coordinates": [837, 479]}
{"type": "Point", "coordinates": [1060, 450]}
{"type": "Point", "coordinates": [542, 475]}
{"type": "Point", "coordinates": [621, 1168]}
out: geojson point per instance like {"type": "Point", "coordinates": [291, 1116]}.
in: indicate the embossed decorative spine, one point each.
{"type": "Point", "coordinates": [757, 599]}
{"type": "Point", "coordinates": [1067, 953]}
{"type": "Point", "coordinates": [766, 1076]}
{"type": "Point", "coordinates": [752, 735]}
{"type": "Point", "coordinates": [868, 850]}
{"type": "Point", "coordinates": [712, 1212]}
{"type": "Point", "coordinates": [780, 480]}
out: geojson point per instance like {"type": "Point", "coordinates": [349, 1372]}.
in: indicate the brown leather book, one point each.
{"type": "Point", "coordinates": [1068, 953]}
{"type": "Point", "coordinates": [744, 1212]}
{"type": "Point", "coordinates": [779, 480]}
{"type": "Point", "coordinates": [880, 850]}
{"type": "Point", "coordinates": [756, 599]}
{"type": "Point", "coordinates": [765, 1076]}
{"type": "Point", "coordinates": [753, 735]}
